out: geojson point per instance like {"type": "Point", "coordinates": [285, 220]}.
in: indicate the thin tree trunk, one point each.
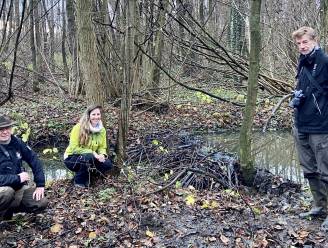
{"type": "Point", "coordinates": [104, 51]}
{"type": "Point", "coordinates": [127, 58]}
{"type": "Point", "coordinates": [17, 14]}
{"type": "Point", "coordinates": [159, 46]}
{"type": "Point", "coordinates": [245, 152]}
{"type": "Point", "coordinates": [35, 32]}
{"type": "Point", "coordinates": [63, 43]}
{"type": "Point", "coordinates": [75, 80]}
{"type": "Point", "coordinates": [52, 35]}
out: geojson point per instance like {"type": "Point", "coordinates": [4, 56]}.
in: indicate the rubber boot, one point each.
{"type": "Point", "coordinates": [318, 190]}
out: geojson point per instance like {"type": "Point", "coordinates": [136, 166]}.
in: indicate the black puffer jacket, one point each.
{"type": "Point", "coordinates": [11, 166]}
{"type": "Point", "coordinates": [312, 115]}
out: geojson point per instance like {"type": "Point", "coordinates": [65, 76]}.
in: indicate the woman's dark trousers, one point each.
{"type": "Point", "coordinates": [84, 164]}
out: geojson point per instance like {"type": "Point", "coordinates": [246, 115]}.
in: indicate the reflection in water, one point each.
{"type": "Point", "coordinates": [53, 170]}
{"type": "Point", "coordinates": [274, 151]}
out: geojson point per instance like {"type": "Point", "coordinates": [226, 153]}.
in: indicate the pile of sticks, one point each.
{"type": "Point", "coordinates": [177, 158]}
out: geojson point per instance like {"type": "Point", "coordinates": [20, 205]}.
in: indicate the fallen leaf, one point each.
{"type": "Point", "coordinates": [205, 204]}
{"type": "Point", "coordinates": [56, 228]}
{"type": "Point", "coordinates": [278, 227]}
{"type": "Point", "coordinates": [224, 239]}
{"type": "Point", "coordinates": [130, 209]}
{"type": "Point", "coordinates": [92, 235]}
{"type": "Point", "coordinates": [150, 234]}
{"type": "Point", "coordinates": [303, 234]}
{"type": "Point", "coordinates": [214, 204]}
{"type": "Point", "coordinates": [212, 239]}
{"type": "Point", "coordinates": [190, 200]}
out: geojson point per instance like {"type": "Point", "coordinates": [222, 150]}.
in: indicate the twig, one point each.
{"type": "Point", "coordinates": [168, 185]}
{"type": "Point", "coordinates": [209, 175]}
{"type": "Point", "coordinates": [182, 84]}
{"type": "Point", "coordinates": [275, 110]}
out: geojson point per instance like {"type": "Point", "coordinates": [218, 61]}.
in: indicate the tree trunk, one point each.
{"type": "Point", "coordinates": [236, 35]}
{"type": "Point", "coordinates": [94, 88]}
{"type": "Point", "coordinates": [63, 43]}
{"type": "Point", "coordinates": [75, 81]}
{"type": "Point", "coordinates": [35, 41]}
{"type": "Point", "coordinates": [159, 46]}
{"type": "Point", "coordinates": [201, 13]}
{"type": "Point", "coordinates": [104, 50]}
{"type": "Point", "coordinates": [52, 35]}
{"type": "Point", "coordinates": [245, 152]}
{"type": "Point", "coordinates": [116, 70]}
{"type": "Point", "coordinates": [17, 14]}
{"type": "Point", "coordinates": [127, 58]}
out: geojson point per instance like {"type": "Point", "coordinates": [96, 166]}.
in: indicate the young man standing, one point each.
{"type": "Point", "coordinates": [310, 105]}
{"type": "Point", "coordinates": [15, 194]}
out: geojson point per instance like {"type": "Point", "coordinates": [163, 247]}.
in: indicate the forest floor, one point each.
{"type": "Point", "coordinates": [133, 209]}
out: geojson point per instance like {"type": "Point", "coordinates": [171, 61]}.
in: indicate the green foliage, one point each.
{"type": "Point", "coordinates": [106, 194]}
{"type": "Point", "coordinates": [21, 222]}
{"type": "Point", "coordinates": [7, 64]}
{"type": "Point", "coordinates": [160, 147]}
{"type": "Point", "coordinates": [178, 185]}
{"type": "Point", "coordinates": [51, 152]}
{"type": "Point", "coordinates": [230, 94]}
{"type": "Point", "coordinates": [256, 211]}
{"type": "Point", "coordinates": [30, 66]}
{"type": "Point", "coordinates": [167, 175]}
{"type": "Point", "coordinates": [204, 98]}
{"type": "Point", "coordinates": [54, 125]}
{"type": "Point", "coordinates": [130, 173]}
{"type": "Point", "coordinates": [231, 192]}
{"type": "Point", "coordinates": [87, 203]}
{"type": "Point", "coordinates": [22, 128]}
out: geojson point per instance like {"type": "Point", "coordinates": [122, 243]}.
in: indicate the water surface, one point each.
{"type": "Point", "coordinates": [274, 151]}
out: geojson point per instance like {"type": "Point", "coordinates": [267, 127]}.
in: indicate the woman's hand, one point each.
{"type": "Point", "coordinates": [100, 157]}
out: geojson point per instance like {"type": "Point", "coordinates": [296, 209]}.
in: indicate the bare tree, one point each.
{"type": "Point", "coordinates": [245, 152]}
{"type": "Point", "coordinates": [129, 53]}
{"type": "Point", "coordinates": [88, 54]}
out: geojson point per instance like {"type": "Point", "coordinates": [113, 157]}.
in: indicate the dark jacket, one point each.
{"type": "Point", "coordinates": [312, 115]}
{"type": "Point", "coordinates": [11, 166]}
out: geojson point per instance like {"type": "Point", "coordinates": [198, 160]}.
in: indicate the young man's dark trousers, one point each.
{"type": "Point", "coordinates": [313, 156]}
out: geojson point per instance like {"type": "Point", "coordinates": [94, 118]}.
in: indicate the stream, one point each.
{"type": "Point", "coordinates": [274, 151]}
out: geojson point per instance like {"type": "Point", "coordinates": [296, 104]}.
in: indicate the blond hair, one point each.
{"type": "Point", "coordinates": [304, 31]}
{"type": "Point", "coordinates": [84, 134]}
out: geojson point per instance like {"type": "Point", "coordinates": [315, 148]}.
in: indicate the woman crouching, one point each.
{"type": "Point", "coordinates": [87, 149]}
